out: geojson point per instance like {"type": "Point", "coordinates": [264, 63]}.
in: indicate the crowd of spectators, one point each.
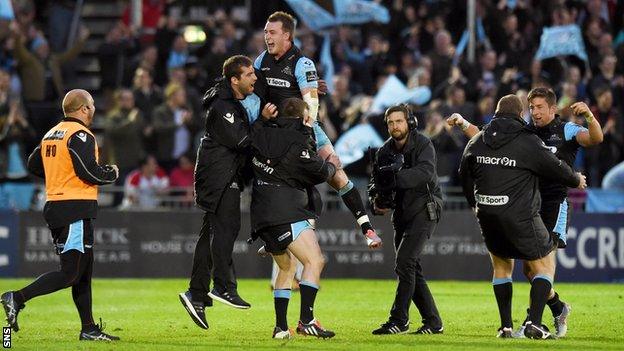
{"type": "Point", "coordinates": [152, 78]}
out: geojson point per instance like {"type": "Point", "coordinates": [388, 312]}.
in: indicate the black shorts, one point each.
{"type": "Point", "coordinates": [75, 236]}
{"type": "Point", "coordinates": [277, 238]}
{"type": "Point", "coordinates": [556, 217]}
{"type": "Point", "coordinates": [514, 238]}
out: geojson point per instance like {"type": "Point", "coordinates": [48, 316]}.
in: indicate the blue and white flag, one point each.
{"type": "Point", "coordinates": [312, 14]}
{"type": "Point", "coordinates": [360, 11]}
{"type": "Point", "coordinates": [6, 10]}
{"type": "Point", "coordinates": [327, 63]}
{"type": "Point", "coordinates": [338, 12]}
{"type": "Point", "coordinates": [354, 143]}
{"type": "Point", "coordinates": [394, 92]}
{"type": "Point", "coordinates": [561, 41]}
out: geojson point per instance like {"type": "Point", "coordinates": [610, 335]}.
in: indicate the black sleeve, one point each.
{"type": "Point", "coordinates": [312, 169]}
{"type": "Point", "coordinates": [228, 128]}
{"type": "Point", "coordinates": [465, 176]}
{"type": "Point", "coordinates": [81, 147]}
{"type": "Point", "coordinates": [422, 171]}
{"type": "Point", "coordinates": [545, 164]}
{"type": "Point", "coordinates": [35, 163]}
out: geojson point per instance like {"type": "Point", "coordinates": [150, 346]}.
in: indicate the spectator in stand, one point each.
{"type": "Point", "coordinates": [40, 71]}
{"type": "Point", "coordinates": [441, 57]}
{"type": "Point", "coordinates": [16, 188]}
{"type": "Point", "coordinates": [609, 152]}
{"type": "Point", "coordinates": [146, 60]}
{"type": "Point", "coordinates": [171, 123]}
{"type": "Point", "coordinates": [447, 144]}
{"type": "Point", "coordinates": [113, 55]}
{"type": "Point", "coordinates": [124, 131]}
{"type": "Point", "coordinates": [181, 179]}
{"type": "Point", "coordinates": [179, 53]}
{"type": "Point", "coordinates": [145, 186]}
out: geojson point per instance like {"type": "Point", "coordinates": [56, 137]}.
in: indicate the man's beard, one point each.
{"type": "Point", "coordinates": [399, 135]}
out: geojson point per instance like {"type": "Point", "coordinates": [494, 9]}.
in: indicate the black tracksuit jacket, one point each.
{"type": "Point", "coordinates": [286, 168]}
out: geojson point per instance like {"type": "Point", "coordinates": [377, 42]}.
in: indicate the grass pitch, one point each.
{"type": "Point", "coordinates": [147, 315]}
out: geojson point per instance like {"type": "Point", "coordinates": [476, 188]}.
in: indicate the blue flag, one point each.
{"type": "Point", "coordinates": [353, 144]}
{"type": "Point", "coordinates": [6, 10]}
{"type": "Point", "coordinates": [360, 11]}
{"type": "Point", "coordinates": [327, 63]}
{"type": "Point", "coordinates": [318, 17]}
{"type": "Point", "coordinates": [312, 14]}
{"type": "Point", "coordinates": [561, 41]}
{"type": "Point", "coordinates": [394, 92]}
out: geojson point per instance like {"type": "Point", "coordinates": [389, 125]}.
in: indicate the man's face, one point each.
{"type": "Point", "coordinates": [541, 113]}
{"type": "Point", "coordinates": [275, 38]}
{"type": "Point", "coordinates": [126, 100]}
{"type": "Point", "coordinates": [397, 125]}
{"type": "Point", "coordinates": [245, 84]}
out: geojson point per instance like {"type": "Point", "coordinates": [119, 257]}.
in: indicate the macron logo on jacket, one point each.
{"type": "Point", "coordinates": [503, 161]}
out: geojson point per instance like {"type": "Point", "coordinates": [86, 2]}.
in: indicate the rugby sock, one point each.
{"type": "Point", "coordinates": [308, 295]}
{"type": "Point", "coordinates": [352, 199]}
{"type": "Point", "coordinates": [556, 305]}
{"type": "Point", "coordinates": [281, 297]}
{"type": "Point", "coordinates": [540, 288]}
{"type": "Point", "coordinates": [503, 290]}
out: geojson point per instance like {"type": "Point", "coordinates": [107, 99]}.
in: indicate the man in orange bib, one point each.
{"type": "Point", "coordinates": [68, 160]}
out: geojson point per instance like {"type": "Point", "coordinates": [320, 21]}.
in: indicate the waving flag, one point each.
{"type": "Point", "coordinates": [327, 63]}
{"type": "Point", "coordinates": [561, 40]}
{"type": "Point", "coordinates": [393, 92]}
{"type": "Point", "coordinates": [318, 14]}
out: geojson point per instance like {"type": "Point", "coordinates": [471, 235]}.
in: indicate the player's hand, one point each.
{"type": "Point", "coordinates": [455, 120]}
{"type": "Point", "coordinates": [322, 87]}
{"type": "Point", "coordinates": [373, 240]}
{"type": "Point", "coordinates": [269, 111]}
{"type": "Point", "coordinates": [582, 181]}
{"type": "Point", "coordinates": [581, 109]}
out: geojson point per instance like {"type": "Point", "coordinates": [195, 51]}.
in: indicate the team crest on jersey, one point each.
{"type": "Point", "coordinates": [287, 71]}
{"type": "Point", "coordinates": [275, 82]}
{"type": "Point", "coordinates": [55, 135]}
{"type": "Point", "coordinates": [311, 76]}
{"type": "Point", "coordinates": [554, 137]}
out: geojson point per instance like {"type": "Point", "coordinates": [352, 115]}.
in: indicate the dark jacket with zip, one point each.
{"type": "Point", "coordinates": [223, 149]}
{"type": "Point", "coordinates": [417, 178]}
{"type": "Point", "coordinates": [286, 168]}
{"type": "Point", "coordinates": [500, 169]}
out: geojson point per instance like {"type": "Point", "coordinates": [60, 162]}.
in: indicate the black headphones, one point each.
{"type": "Point", "coordinates": [412, 121]}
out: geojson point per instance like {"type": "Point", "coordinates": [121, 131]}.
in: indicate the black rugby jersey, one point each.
{"type": "Point", "coordinates": [560, 138]}
{"type": "Point", "coordinates": [287, 76]}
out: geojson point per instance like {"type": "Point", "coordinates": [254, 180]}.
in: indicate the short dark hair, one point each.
{"type": "Point", "coordinates": [545, 93]}
{"type": "Point", "coordinates": [288, 22]}
{"type": "Point", "coordinates": [397, 108]}
{"type": "Point", "coordinates": [509, 104]}
{"type": "Point", "coordinates": [232, 66]}
{"type": "Point", "coordinates": [293, 107]}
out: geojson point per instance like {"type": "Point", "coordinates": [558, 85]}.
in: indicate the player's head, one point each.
{"type": "Point", "coordinates": [239, 71]}
{"type": "Point", "coordinates": [78, 103]}
{"type": "Point", "coordinates": [542, 105]}
{"type": "Point", "coordinates": [295, 107]}
{"type": "Point", "coordinates": [509, 105]}
{"type": "Point", "coordinates": [396, 120]}
{"type": "Point", "coordinates": [279, 33]}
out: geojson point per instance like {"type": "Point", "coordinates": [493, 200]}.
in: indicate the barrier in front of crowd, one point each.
{"type": "Point", "coordinates": [161, 244]}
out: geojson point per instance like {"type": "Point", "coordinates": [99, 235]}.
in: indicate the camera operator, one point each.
{"type": "Point", "coordinates": [405, 179]}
